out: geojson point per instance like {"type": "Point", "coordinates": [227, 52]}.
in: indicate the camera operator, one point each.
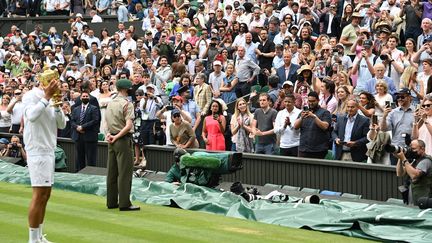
{"type": "Point", "coordinates": [419, 170]}
{"type": "Point", "coordinates": [15, 149]}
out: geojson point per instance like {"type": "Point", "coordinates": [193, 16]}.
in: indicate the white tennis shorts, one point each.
{"type": "Point", "coordinates": [41, 170]}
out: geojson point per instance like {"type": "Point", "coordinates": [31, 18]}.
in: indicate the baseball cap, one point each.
{"type": "Point", "coordinates": [177, 97]}
{"type": "Point", "coordinates": [287, 83]}
{"type": "Point", "coordinates": [217, 63]}
{"type": "Point", "coordinates": [403, 91]}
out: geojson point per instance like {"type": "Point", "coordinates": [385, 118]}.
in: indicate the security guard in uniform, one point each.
{"type": "Point", "coordinates": [119, 120]}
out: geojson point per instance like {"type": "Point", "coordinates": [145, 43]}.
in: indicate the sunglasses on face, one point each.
{"type": "Point", "coordinates": [176, 115]}
{"type": "Point", "coordinates": [401, 97]}
{"type": "Point", "coordinates": [426, 105]}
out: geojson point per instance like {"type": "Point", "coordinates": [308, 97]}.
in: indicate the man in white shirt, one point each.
{"type": "Point", "coordinates": [393, 61]}
{"type": "Point", "coordinates": [41, 121]}
{"type": "Point", "coordinates": [92, 38]}
{"type": "Point", "coordinates": [95, 18]}
{"type": "Point", "coordinates": [289, 136]}
{"type": "Point", "coordinates": [279, 38]}
{"type": "Point", "coordinates": [128, 44]}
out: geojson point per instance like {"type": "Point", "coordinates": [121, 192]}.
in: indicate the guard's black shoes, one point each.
{"type": "Point", "coordinates": [130, 208]}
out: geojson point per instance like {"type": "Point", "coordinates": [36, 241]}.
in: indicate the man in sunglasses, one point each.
{"type": "Point", "coordinates": [399, 120]}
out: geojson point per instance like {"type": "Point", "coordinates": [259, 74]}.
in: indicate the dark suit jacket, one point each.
{"type": "Point", "coordinates": [89, 59]}
{"type": "Point", "coordinates": [90, 124]}
{"type": "Point", "coordinates": [292, 76]}
{"type": "Point", "coordinates": [335, 25]}
{"type": "Point", "coordinates": [190, 14]}
{"type": "Point", "coordinates": [358, 135]}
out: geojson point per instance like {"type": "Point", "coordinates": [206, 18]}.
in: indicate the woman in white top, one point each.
{"type": "Point", "coordinates": [382, 96]}
{"type": "Point", "coordinates": [241, 127]}
{"type": "Point", "coordinates": [5, 117]}
{"type": "Point", "coordinates": [103, 99]}
{"type": "Point", "coordinates": [422, 127]}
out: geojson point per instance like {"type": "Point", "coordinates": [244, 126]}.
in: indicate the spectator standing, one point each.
{"type": "Point", "coordinates": [314, 123]}
{"type": "Point", "coordinates": [216, 79]}
{"type": "Point", "coordinates": [214, 127]}
{"type": "Point", "coordinates": [246, 72]}
{"type": "Point", "coordinates": [284, 127]}
{"type": "Point", "coordinates": [85, 128]}
{"type": "Point", "coordinates": [422, 127]}
{"type": "Point", "coordinates": [379, 71]}
{"type": "Point", "coordinates": [265, 53]}
{"type": "Point", "coordinates": [120, 157]}
{"type": "Point", "coordinates": [400, 120]}
{"type": "Point", "coordinates": [104, 98]}
{"type": "Point", "coordinates": [241, 127]}
{"type": "Point", "coordinates": [350, 133]}
{"type": "Point", "coordinates": [5, 116]}
{"type": "Point", "coordinates": [16, 109]}
{"type": "Point", "coordinates": [149, 105]}
{"type": "Point", "coordinates": [94, 57]}
{"type": "Point", "coordinates": [263, 126]}
{"type": "Point", "coordinates": [289, 70]}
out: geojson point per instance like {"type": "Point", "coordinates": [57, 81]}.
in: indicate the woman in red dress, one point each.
{"type": "Point", "coordinates": [214, 127]}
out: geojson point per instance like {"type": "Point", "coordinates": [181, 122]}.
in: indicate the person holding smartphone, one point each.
{"type": "Point", "coordinates": [350, 133]}
{"type": "Point", "coordinates": [214, 127]}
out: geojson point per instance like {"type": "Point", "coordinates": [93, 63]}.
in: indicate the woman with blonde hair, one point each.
{"type": "Point", "coordinates": [320, 42]}
{"type": "Point", "coordinates": [241, 127]}
{"type": "Point", "coordinates": [342, 95]}
{"type": "Point", "coordinates": [306, 56]}
{"type": "Point", "coordinates": [5, 116]}
{"type": "Point", "coordinates": [382, 96]}
{"type": "Point", "coordinates": [343, 79]}
{"type": "Point", "coordinates": [422, 127]}
{"type": "Point", "coordinates": [409, 80]}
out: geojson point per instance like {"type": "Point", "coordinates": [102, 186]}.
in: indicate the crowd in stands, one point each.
{"type": "Point", "coordinates": [304, 76]}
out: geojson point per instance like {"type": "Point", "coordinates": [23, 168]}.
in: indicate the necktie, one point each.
{"type": "Point", "coordinates": [295, 19]}
{"type": "Point", "coordinates": [82, 114]}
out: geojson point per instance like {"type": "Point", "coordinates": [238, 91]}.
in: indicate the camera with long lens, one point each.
{"type": "Point", "coordinates": [394, 149]}
{"type": "Point", "coordinates": [383, 57]}
{"type": "Point", "coordinates": [249, 194]}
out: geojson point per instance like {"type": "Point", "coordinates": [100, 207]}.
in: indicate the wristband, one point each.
{"type": "Point", "coordinates": [404, 161]}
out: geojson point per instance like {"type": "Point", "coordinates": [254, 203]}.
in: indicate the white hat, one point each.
{"type": "Point", "coordinates": [78, 15]}
{"type": "Point", "coordinates": [217, 62]}
{"type": "Point", "coordinates": [287, 82]}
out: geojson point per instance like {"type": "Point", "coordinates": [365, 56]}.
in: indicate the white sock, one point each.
{"type": "Point", "coordinates": [40, 231]}
{"type": "Point", "coordinates": [33, 235]}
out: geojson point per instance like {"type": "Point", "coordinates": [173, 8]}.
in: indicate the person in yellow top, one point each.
{"type": "Point", "coordinates": [119, 118]}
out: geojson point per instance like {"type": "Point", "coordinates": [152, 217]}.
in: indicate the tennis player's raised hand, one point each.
{"type": "Point", "coordinates": [51, 88]}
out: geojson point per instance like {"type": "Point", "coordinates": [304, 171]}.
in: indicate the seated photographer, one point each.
{"type": "Point", "coordinates": [15, 149]}
{"type": "Point", "coordinates": [415, 163]}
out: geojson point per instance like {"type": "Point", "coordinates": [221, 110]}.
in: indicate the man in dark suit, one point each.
{"type": "Point", "coordinates": [120, 68]}
{"type": "Point", "coordinates": [94, 57]}
{"type": "Point", "coordinates": [289, 70]}
{"type": "Point", "coordinates": [85, 122]}
{"type": "Point", "coordinates": [350, 135]}
{"type": "Point", "coordinates": [330, 22]}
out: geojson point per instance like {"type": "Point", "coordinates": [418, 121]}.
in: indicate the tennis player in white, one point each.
{"type": "Point", "coordinates": [41, 121]}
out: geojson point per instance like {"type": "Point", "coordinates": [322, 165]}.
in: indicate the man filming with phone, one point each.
{"type": "Point", "coordinates": [314, 123]}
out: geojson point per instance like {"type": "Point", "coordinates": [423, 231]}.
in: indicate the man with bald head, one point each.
{"type": "Point", "coordinates": [350, 135]}
{"type": "Point", "coordinates": [426, 26]}
{"type": "Point", "coordinates": [289, 70]}
{"type": "Point", "coordinates": [250, 47]}
{"type": "Point", "coordinates": [379, 70]}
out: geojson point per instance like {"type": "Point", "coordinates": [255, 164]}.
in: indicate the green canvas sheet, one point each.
{"type": "Point", "coordinates": [370, 221]}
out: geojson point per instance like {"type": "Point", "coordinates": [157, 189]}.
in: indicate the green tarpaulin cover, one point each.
{"type": "Point", "coordinates": [380, 222]}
